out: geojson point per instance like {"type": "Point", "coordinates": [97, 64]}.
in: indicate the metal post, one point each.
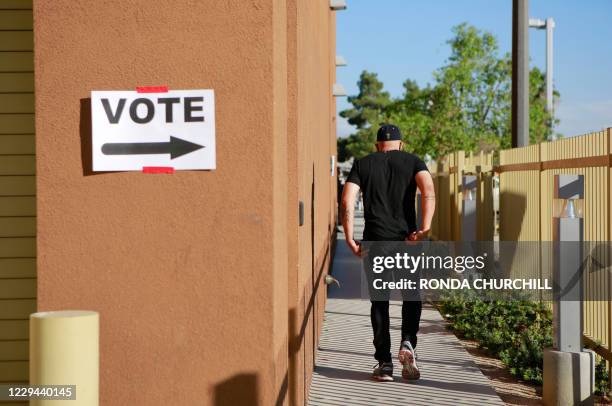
{"type": "Point", "coordinates": [568, 235]}
{"type": "Point", "coordinates": [469, 220]}
{"type": "Point", "coordinates": [520, 73]}
{"type": "Point", "coordinates": [550, 25]}
{"type": "Point", "coordinates": [569, 371]}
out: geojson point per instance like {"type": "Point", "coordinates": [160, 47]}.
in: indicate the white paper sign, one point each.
{"type": "Point", "coordinates": [131, 130]}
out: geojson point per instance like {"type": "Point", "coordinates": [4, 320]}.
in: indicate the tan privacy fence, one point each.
{"type": "Point", "coordinates": [525, 179]}
{"type": "Point", "coordinates": [526, 211]}
{"type": "Point", "coordinates": [449, 173]}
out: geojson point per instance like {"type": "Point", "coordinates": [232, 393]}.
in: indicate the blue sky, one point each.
{"type": "Point", "coordinates": [402, 39]}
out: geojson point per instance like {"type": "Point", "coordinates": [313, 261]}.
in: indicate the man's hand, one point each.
{"type": "Point", "coordinates": [349, 196]}
{"type": "Point", "coordinates": [418, 235]}
{"type": "Point", "coordinates": [355, 247]}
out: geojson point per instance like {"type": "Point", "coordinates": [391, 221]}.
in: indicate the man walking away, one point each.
{"type": "Point", "coordinates": [388, 179]}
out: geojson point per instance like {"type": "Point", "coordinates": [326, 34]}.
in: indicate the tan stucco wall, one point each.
{"type": "Point", "coordinates": [280, 201]}
{"type": "Point", "coordinates": [203, 280]}
{"type": "Point", "coordinates": [314, 75]}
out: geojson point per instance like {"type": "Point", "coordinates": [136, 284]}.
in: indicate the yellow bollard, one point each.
{"type": "Point", "coordinates": [64, 351]}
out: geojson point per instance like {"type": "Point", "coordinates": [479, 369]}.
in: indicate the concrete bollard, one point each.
{"type": "Point", "coordinates": [64, 350]}
{"type": "Point", "coordinates": [568, 378]}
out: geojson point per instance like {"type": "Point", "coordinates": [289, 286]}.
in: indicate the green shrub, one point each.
{"type": "Point", "coordinates": [602, 378]}
{"type": "Point", "coordinates": [512, 329]}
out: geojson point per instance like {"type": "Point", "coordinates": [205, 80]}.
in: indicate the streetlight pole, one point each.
{"type": "Point", "coordinates": [548, 25]}
{"type": "Point", "coordinates": [520, 73]}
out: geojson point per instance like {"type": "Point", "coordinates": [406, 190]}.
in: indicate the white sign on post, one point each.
{"type": "Point", "coordinates": [132, 130]}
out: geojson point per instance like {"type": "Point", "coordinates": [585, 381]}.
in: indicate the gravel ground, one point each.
{"type": "Point", "coordinates": [508, 388]}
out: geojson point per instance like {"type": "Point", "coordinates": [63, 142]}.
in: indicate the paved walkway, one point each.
{"type": "Point", "coordinates": [344, 361]}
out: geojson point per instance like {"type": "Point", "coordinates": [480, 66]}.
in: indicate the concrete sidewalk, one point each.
{"type": "Point", "coordinates": [344, 361]}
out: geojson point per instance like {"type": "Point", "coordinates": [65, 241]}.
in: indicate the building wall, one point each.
{"type": "Point", "coordinates": [315, 78]}
{"type": "Point", "coordinates": [203, 279]}
{"type": "Point", "coordinates": [17, 188]}
{"type": "Point", "coordinates": [312, 141]}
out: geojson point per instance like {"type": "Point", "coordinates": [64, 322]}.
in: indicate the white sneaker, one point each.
{"type": "Point", "coordinates": [407, 358]}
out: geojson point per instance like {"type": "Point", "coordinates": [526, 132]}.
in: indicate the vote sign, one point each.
{"type": "Point", "coordinates": [132, 130]}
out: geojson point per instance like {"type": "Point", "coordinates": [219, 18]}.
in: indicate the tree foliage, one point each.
{"type": "Point", "coordinates": [468, 106]}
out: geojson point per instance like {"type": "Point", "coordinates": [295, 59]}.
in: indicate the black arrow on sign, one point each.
{"type": "Point", "coordinates": [176, 147]}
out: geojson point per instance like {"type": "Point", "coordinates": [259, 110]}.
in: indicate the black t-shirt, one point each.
{"type": "Point", "coordinates": [387, 181]}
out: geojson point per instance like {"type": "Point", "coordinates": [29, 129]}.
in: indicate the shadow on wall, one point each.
{"type": "Point", "coordinates": [294, 351]}
{"type": "Point", "coordinates": [239, 390]}
{"type": "Point", "coordinates": [298, 331]}
{"type": "Point", "coordinates": [514, 258]}
{"type": "Point", "coordinates": [85, 135]}
{"type": "Point", "coordinates": [517, 204]}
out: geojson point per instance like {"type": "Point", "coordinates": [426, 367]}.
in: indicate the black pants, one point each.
{"type": "Point", "coordinates": [379, 314]}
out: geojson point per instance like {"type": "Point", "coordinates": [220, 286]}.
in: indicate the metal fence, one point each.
{"type": "Point", "coordinates": [525, 179]}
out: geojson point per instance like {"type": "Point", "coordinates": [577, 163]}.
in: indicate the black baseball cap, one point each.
{"type": "Point", "coordinates": [388, 132]}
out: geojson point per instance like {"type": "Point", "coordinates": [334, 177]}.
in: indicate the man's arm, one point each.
{"type": "Point", "coordinates": [428, 204]}
{"type": "Point", "coordinates": [349, 197]}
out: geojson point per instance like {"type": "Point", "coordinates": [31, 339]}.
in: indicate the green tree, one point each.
{"type": "Point", "coordinates": [468, 107]}
{"type": "Point", "coordinates": [540, 120]}
{"type": "Point", "coordinates": [368, 112]}
{"type": "Point", "coordinates": [477, 85]}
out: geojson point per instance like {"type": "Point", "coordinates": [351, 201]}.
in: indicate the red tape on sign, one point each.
{"type": "Point", "coordinates": [152, 89]}
{"type": "Point", "coordinates": [157, 169]}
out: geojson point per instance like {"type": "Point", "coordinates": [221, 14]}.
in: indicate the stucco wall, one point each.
{"type": "Point", "coordinates": [202, 278]}
{"type": "Point", "coordinates": [315, 109]}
